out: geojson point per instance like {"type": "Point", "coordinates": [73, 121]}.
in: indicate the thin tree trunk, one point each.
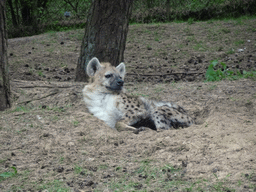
{"type": "Point", "coordinates": [168, 10]}
{"type": "Point", "coordinates": [14, 20]}
{"type": "Point", "coordinates": [4, 68]}
{"type": "Point", "coordinates": [105, 34]}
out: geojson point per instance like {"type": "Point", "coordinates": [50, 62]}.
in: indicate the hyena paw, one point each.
{"type": "Point", "coordinates": [139, 130]}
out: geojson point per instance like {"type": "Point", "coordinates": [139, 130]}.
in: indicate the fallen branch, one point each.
{"type": "Point", "coordinates": [28, 101]}
{"type": "Point", "coordinates": [43, 86]}
{"type": "Point", "coordinates": [182, 73]}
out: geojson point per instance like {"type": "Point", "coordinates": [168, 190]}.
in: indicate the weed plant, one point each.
{"type": "Point", "coordinates": [218, 71]}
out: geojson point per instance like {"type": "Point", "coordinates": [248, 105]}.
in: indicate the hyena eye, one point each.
{"type": "Point", "coordinates": [109, 75]}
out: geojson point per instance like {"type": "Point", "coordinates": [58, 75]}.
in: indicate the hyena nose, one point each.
{"type": "Point", "coordinates": [120, 82]}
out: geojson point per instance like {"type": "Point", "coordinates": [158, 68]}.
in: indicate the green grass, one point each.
{"type": "Point", "coordinates": [239, 42]}
{"type": "Point", "coordinates": [225, 30]}
{"type": "Point", "coordinates": [149, 177]}
{"type": "Point", "coordinates": [191, 21]}
{"type": "Point", "coordinates": [218, 71]}
{"type": "Point", "coordinates": [40, 73]}
{"type": "Point", "coordinates": [8, 174]}
{"type": "Point", "coordinates": [21, 108]}
{"type": "Point", "coordinates": [75, 123]}
{"type": "Point", "coordinates": [53, 186]}
{"type": "Point", "coordinates": [78, 169]}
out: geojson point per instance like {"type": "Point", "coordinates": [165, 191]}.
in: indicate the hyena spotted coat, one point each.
{"type": "Point", "coordinates": [105, 98]}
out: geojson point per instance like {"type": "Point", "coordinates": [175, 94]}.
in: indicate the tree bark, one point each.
{"type": "Point", "coordinates": [14, 20]}
{"type": "Point", "coordinates": [105, 34]}
{"type": "Point", "coordinates": [168, 10]}
{"type": "Point", "coordinates": [4, 68]}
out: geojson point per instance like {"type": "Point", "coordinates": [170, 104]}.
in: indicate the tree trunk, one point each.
{"type": "Point", "coordinates": [4, 68]}
{"type": "Point", "coordinates": [105, 34]}
{"type": "Point", "coordinates": [168, 10]}
{"type": "Point", "coordinates": [14, 20]}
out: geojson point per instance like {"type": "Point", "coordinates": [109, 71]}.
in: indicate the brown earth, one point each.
{"type": "Point", "coordinates": [55, 144]}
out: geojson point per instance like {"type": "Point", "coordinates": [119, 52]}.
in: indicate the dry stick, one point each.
{"type": "Point", "coordinates": [39, 98]}
{"type": "Point", "coordinates": [43, 86]}
{"type": "Point", "coordinates": [165, 74]}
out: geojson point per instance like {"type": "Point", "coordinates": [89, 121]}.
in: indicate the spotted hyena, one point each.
{"type": "Point", "coordinates": [106, 99]}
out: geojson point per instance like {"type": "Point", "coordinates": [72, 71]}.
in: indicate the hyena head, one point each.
{"type": "Point", "coordinates": [108, 77]}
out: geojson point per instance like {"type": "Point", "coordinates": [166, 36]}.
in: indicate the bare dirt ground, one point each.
{"type": "Point", "coordinates": [54, 144]}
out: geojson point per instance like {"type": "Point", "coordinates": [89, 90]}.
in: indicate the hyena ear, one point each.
{"type": "Point", "coordinates": [121, 69]}
{"type": "Point", "coordinates": [93, 66]}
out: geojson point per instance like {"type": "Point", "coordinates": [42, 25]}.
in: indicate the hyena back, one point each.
{"type": "Point", "coordinates": [105, 98]}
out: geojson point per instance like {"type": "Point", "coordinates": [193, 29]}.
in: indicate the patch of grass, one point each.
{"type": "Point", "coordinates": [40, 73]}
{"type": "Point", "coordinates": [149, 47]}
{"type": "Point", "coordinates": [146, 176]}
{"type": "Point", "coordinates": [56, 185]}
{"type": "Point", "coordinates": [191, 21]}
{"type": "Point", "coordinates": [220, 185]}
{"type": "Point", "coordinates": [239, 42]}
{"type": "Point", "coordinates": [143, 95]}
{"type": "Point", "coordinates": [199, 47]}
{"type": "Point", "coordinates": [158, 89]}
{"type": "Point", "coordinates": [78, 35]}
{"type": "Point", "coordinates": [75, 122]}
{"type": "Point", "coordinates": [156, 36]}
{"type": "Point", "coordinates": [55, 118]}
{"type": "Point", "coordinates": [187, 30]}
{"type": "Point", "coordinates": [21, 108]}
{"type": "Point", "coordinates": [252, 29]}
{"type": "Point", "coordinates": [103, 166]}
{"type": "Point", "coordinates": [225, 30]}
{"type": "Point", "coordinates": [214, 73]}
{"type": "Point", "coordinates": [61, 159]}
{"type": "Point", "coordinates": [8, 174]}
{"type": "Point", "coordinates": [230, 51]}
{"type": "Point", "coordinates": [78, 169]}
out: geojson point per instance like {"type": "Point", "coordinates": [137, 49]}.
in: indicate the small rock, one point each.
{"type": "Point", "coordinates": [89, 183]}
{"type": "Point", "coordinates": [46, 135]}
{"type": "Point", "coordinates": [240, 50]}
{"type": "Point", "coordinates": [60, 169]}
{"type": "Point", "coordinates": [82, 173]}
{"type": "Point", "coordinates": [66, 70]}
{"type": "Point", "coordinates": [214, 170]}
{"type": "Point", "coordinates": [28, 73]}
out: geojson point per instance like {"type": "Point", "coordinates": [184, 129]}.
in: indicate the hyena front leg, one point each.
{"type": "Point", "coordinates": [121, 126]}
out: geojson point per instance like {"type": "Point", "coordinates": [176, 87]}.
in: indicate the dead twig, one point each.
{"type": "Point", "coordinates": [182, 73]}
{"type": "Point", "coordinates": [51, 94]}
